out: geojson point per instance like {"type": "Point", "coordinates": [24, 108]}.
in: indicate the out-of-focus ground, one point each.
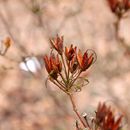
{"type": "Point", "coordinates": [25, 102]}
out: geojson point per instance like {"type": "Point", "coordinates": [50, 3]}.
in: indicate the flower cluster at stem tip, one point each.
{"type": "Point", "coordinates": [66, 64]}
{"type": "Point", "coordinates": [104, 119]}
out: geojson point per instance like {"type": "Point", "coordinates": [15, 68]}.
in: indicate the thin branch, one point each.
{"type": "Point", "coordinates": [58, 86]}
{"type": "Point", "coordinates": [64, 66]}
{"type": "Point", "coordinates": [62, 77]}
{"type": "Point", "coordinates": [76, 111]}
{"type": "Point", "coordinates": [72, 82]}
{"type": "Point", "coordinates": [8, 29]}
{"type": "Point", "coordinates": [61, 84]}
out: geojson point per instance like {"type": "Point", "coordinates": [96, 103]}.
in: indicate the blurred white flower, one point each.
{"type": "Point", "coordinates": [30, 64]}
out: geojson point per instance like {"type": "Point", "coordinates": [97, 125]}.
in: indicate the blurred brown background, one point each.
{"type": "Point", "coordinates": [25, 102]}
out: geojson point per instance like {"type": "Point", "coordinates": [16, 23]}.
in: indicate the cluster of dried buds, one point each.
{"type": "Point", "coordinates": [65, 65]}
{"type": "Point", "coordinates": [119, 7]}
{"type": "Point", "coordinates": [103, 120]}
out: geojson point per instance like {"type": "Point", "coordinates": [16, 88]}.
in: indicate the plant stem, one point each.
{"type": "Point", "coordinates": [68, 68]}
{"type": "Point", "coordinates": [61, 84]}
{"type": "Point", "coordinates": [62, 77]}
{"type": "Point", "coordinates": [76, 111]}
{"type": "Point", "coordinates": [64, 66]}
{"type": "Point", "coordinates": [72, 82]}
{"type": "Point", "coordinates": [58, 85]}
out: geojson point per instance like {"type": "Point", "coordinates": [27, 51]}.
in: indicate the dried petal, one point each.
{"type": "Point", "coordinates": [57, 44]}
{"type": "Point", "coordinates": [70, 52]}
{"type": "Point", "coordinates": [7, 42]}
{"type": "Point", "coordinates": [80, 58]}
{"type": "Point", "coordinates": [113, 4]}
{"type": "Point", "coordinates": [47, 64]}
{"type": "Point", "coordinates": [53, 65]}
{"type": "Point", "coordinates": [73, 65]}
{"type": "Point", "coordinates": [119, 7]}
{"type": "Point", "coordinates": [105, 118]}
{"type": "Point", "coordinates": [85, 61]}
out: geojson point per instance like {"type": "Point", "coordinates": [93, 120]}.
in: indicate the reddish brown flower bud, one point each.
{"type": "Point", "coordinates": [105, 118]}
{"type": "Point", "coordinates": [47, 63]}
{"type": "Point", "coordinates": [113, 4]}
{"type": "Point", "coordinates": [119, 6]}
{"type": "Point", "coordinates": [127, 4]}
{"type": "Point", "coordinates": [56, 63]}
{"type": "Point", "coordinates": [85, 61]}
{"type": "Point", "coordinates": [73, 65]}
{"type": "Point", "coordinates": [6, 43]}
{"type": "Point", "coordinates": [53, 65]}
{"type": "Point", "coordinates": [70, 52]}
{"type": "Point", "coordinates": [57, 44]}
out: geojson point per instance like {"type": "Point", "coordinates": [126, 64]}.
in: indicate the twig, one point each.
{"type": "Point", "coordinates": [76, 111]}
{"type": "Point", "coordinates": [64, 66]}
